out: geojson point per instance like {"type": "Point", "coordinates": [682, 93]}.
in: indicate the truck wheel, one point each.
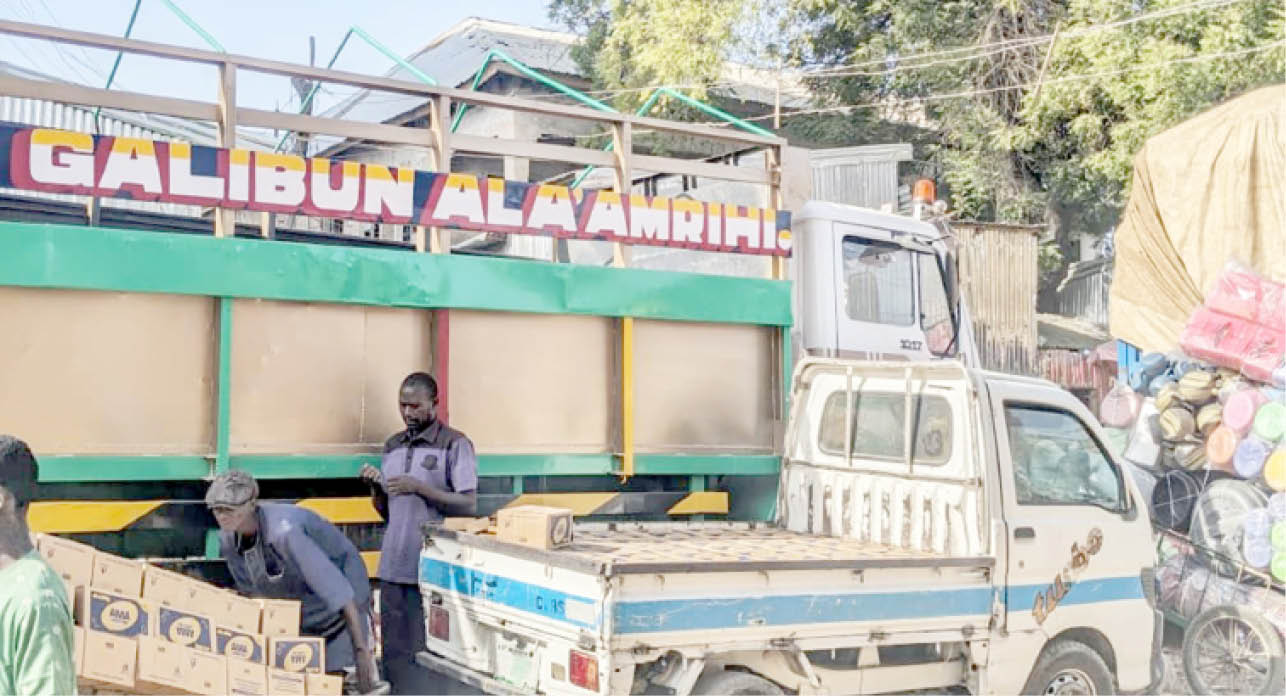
{"type": "Point", "coordinates": [1070, 668]}
{"type": "Point", "coordinates": [732, 682]}
{"type": "Point", "coordinates": [1231, 649]}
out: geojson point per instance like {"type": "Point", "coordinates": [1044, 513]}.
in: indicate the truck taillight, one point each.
{"type": "Point", "coordinates": [584, 670]}
{"type": "Point", "coordinates": [440, 624]}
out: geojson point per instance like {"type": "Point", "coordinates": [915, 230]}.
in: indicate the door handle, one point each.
{"type": "Point", "coordinates": [1024, 533]}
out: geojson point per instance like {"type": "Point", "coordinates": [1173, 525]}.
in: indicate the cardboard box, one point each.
{"type": "Point", "coordinates": [324, 684]}
{"type": "Point", "coordinates": [117, 574]}
{"type": "Point", "coordinates": [535, 525]}
{"type": "Point", "coordinates": [162, 666]}
{"type": "Point", "coordinates": [166, 588]}
{"type": "Point", "coordinates": [238, 645]}
{"type": "Point", "coordinates": [72, 561]}
{"type": "Point", "coordinates": [297, 653]}
{"type": "Point", "coordinates": [236, 612]}
{"type": "Point", "coordinates": [468, 525]}
{"type": "Point", "coordinates": [183, 627]}
{"type": "Point", "coordinates": [109, 659]}
{"type": "Point", "coordinates": [283, 683]}
{"type": "Point", "coordinates": [78, 647]}
{"type": "Point", "coordinates": [109, 612]}
{"type": "Point", "coordinates": [280, 617]}
{"type": "Point", "coordinates": [207, 673]}
{"type": "Point", "coordinates": [247, 678]}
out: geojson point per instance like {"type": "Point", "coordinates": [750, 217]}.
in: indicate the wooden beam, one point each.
{"type": "Point", "coordinates": [504, 147]}
{"type": "Point", "coordinates": [439, 238]}
{"type": "Point", "coordinates": [13, 86]}
{"type": "Point", "coordinates": [225, 221]}
{"type": "Point", "coordinates": [357, 130]}
{"type": "Point", "coordinates": [623, 154]}
{"type": "Point", "coordinates": [706, 170]}
{"type": "Point", "coordinates": [384, 84]}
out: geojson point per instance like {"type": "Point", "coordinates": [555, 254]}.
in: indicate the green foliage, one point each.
{"type": "Point", "coordinates": [1061, 152]}
{"type": "Point", "coordinates": [633, 44]}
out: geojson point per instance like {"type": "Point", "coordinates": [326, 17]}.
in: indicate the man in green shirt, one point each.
{"type": "Point", "coordinates": [35, 622]}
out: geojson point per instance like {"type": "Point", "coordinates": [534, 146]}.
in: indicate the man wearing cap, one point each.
{"type": "Point", "coordinates": [283, 551]}
{"type": "Point", "coordinates": [428, 472]}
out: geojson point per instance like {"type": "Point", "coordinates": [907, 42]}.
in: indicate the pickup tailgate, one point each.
{"type": "Point", "coordinates": [736, 586]}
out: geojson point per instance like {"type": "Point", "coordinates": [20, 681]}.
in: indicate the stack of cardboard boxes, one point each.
{"type": "Point", "coordinates": [141, 629]}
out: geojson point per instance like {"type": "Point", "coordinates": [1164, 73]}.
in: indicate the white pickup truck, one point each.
{"type": "Point", "coordinates": [938, 527]}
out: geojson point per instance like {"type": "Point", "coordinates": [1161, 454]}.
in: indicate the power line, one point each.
{"type": "Point", "coordinates": [1025, 41]}
{"type": "Point", "coordinates": [992, 90]}
{"type": "Point", "coordinates": [971, 52]}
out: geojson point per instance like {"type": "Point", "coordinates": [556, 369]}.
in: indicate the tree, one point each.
{"type": "Point", "coordinates": [632, 45]}
{"type": "Point", "coordinates": [1048, 129]}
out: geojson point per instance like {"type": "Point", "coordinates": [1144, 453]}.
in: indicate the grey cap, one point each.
{"type": "Point", "coordinates": [232, 488]}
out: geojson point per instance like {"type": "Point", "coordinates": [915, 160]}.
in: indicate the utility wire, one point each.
{"type": "Point", "coordinates": [946, 57]}
{"type": "Point", "coordinates": [992, 90]}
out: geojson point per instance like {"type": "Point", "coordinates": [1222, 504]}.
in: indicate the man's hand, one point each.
{"type": "Point", "coordinates": [405, 485]}
{"type": "Point", "coordinates": [365, 670]}
{"type": "Point", "coordinates": [370, 474]}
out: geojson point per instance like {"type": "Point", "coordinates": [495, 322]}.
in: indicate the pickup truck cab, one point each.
{"type": "Point", "coordinates": [937, 527]}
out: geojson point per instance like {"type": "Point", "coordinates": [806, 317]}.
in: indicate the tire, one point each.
{"type": "Point", "coordinates": [1070, 667]}
{"type": "Point", "coordinates": [733, 682]}
{"type": "Point", "coordinates": [1219, 631]}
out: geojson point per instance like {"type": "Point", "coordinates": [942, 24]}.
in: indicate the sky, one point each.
{"type": "Point", "coordinates": [275, 29]}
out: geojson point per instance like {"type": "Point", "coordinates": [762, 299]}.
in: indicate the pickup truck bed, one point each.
{"type": "Point", "coordinates": [611, 549]}
{"type": "Point", "coordinates": [636, 584]}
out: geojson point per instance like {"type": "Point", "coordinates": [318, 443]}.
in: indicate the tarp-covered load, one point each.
{"type": "Point", "coordinates": [1210, 190]}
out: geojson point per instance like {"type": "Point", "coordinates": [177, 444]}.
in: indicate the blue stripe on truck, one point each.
{"type": "Point", "coordinates": [715, 613]}
{"type": "Point", "coordinates": [1023, 597]}
{"type": "Point", "coordinates": [535, 599]}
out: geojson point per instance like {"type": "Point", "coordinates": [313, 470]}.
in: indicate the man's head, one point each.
{"type": "Point", "coordinates": [18, 474]}
{"type": "Point", "coordinates": [418, 400]}
{"type": "Point", "coordinates": [232, 498]}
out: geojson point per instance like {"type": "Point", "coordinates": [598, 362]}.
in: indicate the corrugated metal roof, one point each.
{"type": "Point", "coordinates": [453, 57]}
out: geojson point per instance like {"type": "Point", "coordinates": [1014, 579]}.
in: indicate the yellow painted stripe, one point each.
{"type": "Point", "coordinates": [703, 503]}
{"type": "Point", "coordinates": [87, 516]}
{"type": "Point", "coordinates": [372, 561]}
{"type": "Point", "coordinates": [579, 503]}
{"type": "Point", "coordinates": [627, 397]}
{"type": "Point", "coordinates": [343, 510]}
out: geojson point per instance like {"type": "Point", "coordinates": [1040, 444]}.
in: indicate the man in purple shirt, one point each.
{"type": "Point", "coordinates": [428, 472]}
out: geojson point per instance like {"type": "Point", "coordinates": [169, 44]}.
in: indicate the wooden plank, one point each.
{"type": "Point", "coordinates": [727, 133]}
{"type": "Point", "coordinates": [14, 86]}
{"type": "Point", "coordinates": [439, 239]}
{"type": "Point", "coordinates": [225, 220]}
{"type": "Point", "coordinates": [707, 170]}
{"type": "Point", "coordinates": [542, 151]}
{"type": "Point", "coordinates": [357, 130]}
{"type": "Point", "coordinates": [622, 154]}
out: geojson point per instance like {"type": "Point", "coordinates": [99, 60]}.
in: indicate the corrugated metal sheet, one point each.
{"type": "Point", "coordinates": [1079, 371]}
{"type": "Point", "coordinates": [1084, 292]}
{"type": "Point", "coordinates": [998, 278]}
{"type": "Point", "coordinates": [38, 112]}
{"type": "Point", "coordinates": [866, 176]}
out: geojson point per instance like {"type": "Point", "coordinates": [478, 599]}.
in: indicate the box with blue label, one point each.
{"type": "Point", "coordinates": [117, 614]}
{"type": "Point", "coordinates": [239, 645]}
{"type": "Point", "coordinates": [297, 653]}
{"type": "Point", "coordinates": [184, 627]}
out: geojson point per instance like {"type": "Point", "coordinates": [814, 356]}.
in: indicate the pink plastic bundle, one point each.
{"type": "Point", "coordinates": [1217, 338]}
{"type": "Point", "coordinates": [1242, 325]}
